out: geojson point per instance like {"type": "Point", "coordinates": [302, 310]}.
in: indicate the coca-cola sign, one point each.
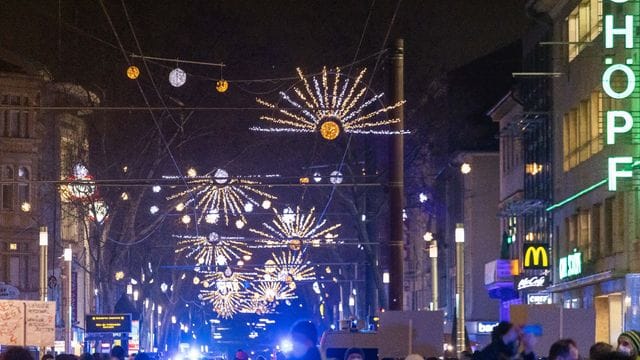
{"type": "Point", "coordinates": [532, 282]}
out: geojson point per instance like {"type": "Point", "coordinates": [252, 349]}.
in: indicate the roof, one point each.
{"type": "Point", "coordinates": [11, 62]}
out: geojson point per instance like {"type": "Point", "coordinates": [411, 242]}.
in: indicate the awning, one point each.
{"type": "Point", "coordinates": [582, 282]}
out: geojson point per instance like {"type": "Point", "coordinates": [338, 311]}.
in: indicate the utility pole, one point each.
{"type": "Point", "coordinates": [396, 181]}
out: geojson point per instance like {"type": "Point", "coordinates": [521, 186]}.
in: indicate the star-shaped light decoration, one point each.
{"type": "Point", "coordinates": [216, 194]}
{"type": "Point", "coordinates": [226, 291]}
{"type": "Point", "coordinates": [271, 291]}
{"type": "Point", "coordinates": [288, 267]}
{"type": "Point", "coordinates": [295, 230]}
{"type": "Point", "coordinates": [335, 103]}
{"type": "Point", "coordinates": [212, 249]}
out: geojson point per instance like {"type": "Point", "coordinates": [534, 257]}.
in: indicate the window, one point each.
{"type": "Point", "coordinates": [584, 233]}
{"type": "Point", "coordinates": [582, 131]}
{"type": "Point", "coordinates": [24, 193]}
{"type": "Point", "coordinates": [17, 265]}
{"type": "Point", "coordinates": [572, 233]}
{"type": "Point", "coordinates": [619, 224]}
{"type": "Point", "coordinates": [7, 187]}
{"type": "Point", "coordinates": [596, 239]}
{"type": "Point", "coordinates": [583, 25]}
{"type": "Point", "coordinates": [607, 235]}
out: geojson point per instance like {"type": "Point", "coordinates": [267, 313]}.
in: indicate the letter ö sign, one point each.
{"type": "Point", "coordinates": [618, 121]}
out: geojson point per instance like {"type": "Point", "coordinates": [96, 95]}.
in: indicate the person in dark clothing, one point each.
{"type": "Point", "coordinates": [47, 357]}
{"type": "Point", "coordinates": [304, 337]}
{"type": "Point", "coordinates": [354, 354]}
{"type": "Point", "coordinates": [616, 355]}
{"type": "Point", "coordinates": [241, 355]}
{"type": "Point", "coordinates": [600, 351]}
{"type": "Point", "coordinates": [142, 356]}
{"type": "Point", "coordinates": [564, 349]}
{"type": "Point", "coordinates": [629, 343]}
{"type": "Point", "coordinates": [66, 357]}
{"type": "Point", "coordinates": [16, 353]}
{"type": "Point", "coordinates": [118, 353]}
{"type": "Point", "coordinates": [505, 342]}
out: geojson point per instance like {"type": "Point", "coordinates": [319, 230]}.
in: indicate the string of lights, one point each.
{"type": "Point", "coordinates": [141, 90]}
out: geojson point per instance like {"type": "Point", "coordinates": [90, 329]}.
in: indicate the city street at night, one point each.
{"type": "Point", "coordinates": [319, 179]}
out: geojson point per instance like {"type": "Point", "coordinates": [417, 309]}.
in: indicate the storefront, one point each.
{"type": "Point", "coordinates": [615, 299]}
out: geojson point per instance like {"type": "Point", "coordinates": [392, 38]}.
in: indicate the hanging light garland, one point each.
{"type": "Point", "coordinates": [332, 105]}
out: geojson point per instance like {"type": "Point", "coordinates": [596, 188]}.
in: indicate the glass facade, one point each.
{"type": "Point", "coordinates": [535, 94]}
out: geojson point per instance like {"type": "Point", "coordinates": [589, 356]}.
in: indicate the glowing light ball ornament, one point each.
{"type": "Point", "coordinates": [330, 130]}
{"type": "Point", "coordinates": [177, 77]}
{"type": "Point", "coordinates": [329, 105]}
{"type": "Point", "coordinates": [222, 85]}
{"type": "Point", "coordinates": [133, 72]}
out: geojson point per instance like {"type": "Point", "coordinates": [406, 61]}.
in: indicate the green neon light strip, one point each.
{"type": "Point", "coordinates": [577, 195]}
{"type": "Point", "coordinates": [584, 191]}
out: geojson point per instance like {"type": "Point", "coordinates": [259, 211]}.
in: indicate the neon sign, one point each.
{"type": "Point", "coordinates": [535, 256]}
{"type": "Point", "coordinates": [531, 282]}
{"type": "Point", "coordinates": [618, 122]}
{"type": "Point", "coordinates": [570, 265]}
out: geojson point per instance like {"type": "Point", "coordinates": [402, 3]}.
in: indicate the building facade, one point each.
{"type": "Point", "coordinates": [526, 180]}
{"type": "Point", "coordinates": [37, 150]}
{"type": "Point", "coordinates": [469, 190]}
{"type": "Point", "coordinates": [596, 230]}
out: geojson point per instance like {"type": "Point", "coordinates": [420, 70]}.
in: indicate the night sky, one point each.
{"type": "Point", "coordinates": [448, 45]}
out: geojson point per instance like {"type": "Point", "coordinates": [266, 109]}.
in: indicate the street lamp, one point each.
{"type": "Point", "coordinates": [44, 244]}
{"type": "Point", "coordinates": [465, 168]}
{"type": "Point", "coordinates": [68, 257]}
{"type": "Point", "coordinates": [459, 237]}
{"type": "Point", "coordinates": [433, 254]}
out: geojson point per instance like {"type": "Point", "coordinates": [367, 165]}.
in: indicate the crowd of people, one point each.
{"type": "Point", "coordinates": [508, 342]}
{"type": "Point", "coordinates": [117, 353]}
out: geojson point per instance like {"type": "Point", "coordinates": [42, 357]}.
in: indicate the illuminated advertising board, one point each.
{"type": "Point", "coordinates": [570, 265]}
{"type": "Point", "coordinates": [536, 256]}
{"type": "Point", "coordinates": [108, 323]}
{"type": "Point", "coordinates": [535, 282]}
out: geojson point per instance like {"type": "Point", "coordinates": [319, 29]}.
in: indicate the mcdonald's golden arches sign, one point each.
{"type": "Point", "coordinates": [536, 256]}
